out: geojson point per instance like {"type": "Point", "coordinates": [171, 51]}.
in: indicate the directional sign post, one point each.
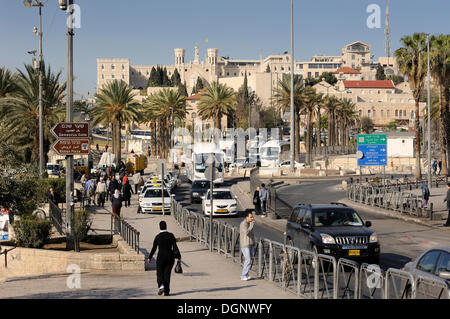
{"type": "Point", "coordinates": [71, 147]}
{"type": "Point", "coordinates": [71, 130]}
{"type": "Point", "coordinates": [372, 150]}
{"type": "Point", "coordinates": [72, 139]}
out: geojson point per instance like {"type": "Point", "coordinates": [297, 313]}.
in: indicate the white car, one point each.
{"type": "Point", "coordinates": [288, 164]}
{"type": "Point", "coordinates": [152, 202]}
{"type": "Point", "coordinates": [223, 200]}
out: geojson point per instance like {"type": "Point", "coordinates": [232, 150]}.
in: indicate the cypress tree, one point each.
{"type": "Point", "coordinates": [199, 85]}
{"type": "Point", "coordinates": [160, 76]}
{"type": "Point", "coordinates": [153, 80]}
{"type": "Point", "coordinates": [380, 73]}
{"type": "Point", "coordinates": [176, 78]}
{"type": "Point", "coordinates": [268, 69]}
{"type": "Point", "coordinates": [165, 79]}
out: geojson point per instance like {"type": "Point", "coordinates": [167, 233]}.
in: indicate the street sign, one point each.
{"type": "Point", "coordinates": [372, 139]}
{"type": "Point", "coordinates": [71, 130]}
{"type": "Point", "coordinates": [372, 150]}
{"type": "Point", "coordinates": [71, 147]}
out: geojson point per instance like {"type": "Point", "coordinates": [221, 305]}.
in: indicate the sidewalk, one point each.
{"type": "Point", "coordinates": [205, 275]}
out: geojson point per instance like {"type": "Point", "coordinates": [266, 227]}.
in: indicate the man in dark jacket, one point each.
{"type": "Point", "coordinates": [167, 252]}
{"type": "Point", "coordinates": [113, 185]}
{"type": "Point", "coordinates": [127, 191]}
{"type": "Point", "coordinates": [447, 199]}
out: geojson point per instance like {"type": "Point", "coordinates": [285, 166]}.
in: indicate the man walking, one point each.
{"type": "Point", "coordinates": [167, 253]}
{"type": "Point", "coordinates": [101, 192]}
{"type": "Point", "coordinates": [447, 199]}
{"type": "Point", "coordinates": [247, 243]}
{"type": "Point", "coordinates": [264, 197]}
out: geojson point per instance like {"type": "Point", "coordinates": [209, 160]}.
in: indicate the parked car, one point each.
{"type": "Point", "coordinates": [223, 200]}
{"type": "Point", "coordinates": [433, 264]}
{"type": "Point", "coordinates": [288, 164]}
{"type": "Point", "coordinates": [332, 229]}
{"type": "Point", "coordinates": [199, 189]}
{"type": "Point", "coordinates": [152, 201]}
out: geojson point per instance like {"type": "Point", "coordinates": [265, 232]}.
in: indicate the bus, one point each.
{"type": "Point", "coordinates": [141, 134]}
{"type": "Point", "coordinates": [197, 165]}
{"type": "Point", "coordinates": [274, 152]}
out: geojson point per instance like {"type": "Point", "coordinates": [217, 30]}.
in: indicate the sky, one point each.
{"type": "Point", "coordinates": [147, 31]}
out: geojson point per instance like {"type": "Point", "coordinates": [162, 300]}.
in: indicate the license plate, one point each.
{"type": "Point", "coordinates": [222, 211]}
{"type": "Point", "coordinates": [157, 208]}
{"type": "Point", "coordinates": [353, 252]}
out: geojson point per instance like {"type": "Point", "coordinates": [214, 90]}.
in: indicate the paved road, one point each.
{"type": "Point", "coordinates": [400, 241]}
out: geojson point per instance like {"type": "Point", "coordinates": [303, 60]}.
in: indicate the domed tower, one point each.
{"type": "Point", "coordinates": [212, 56]}
{"type": "Point", "coordinates": [179, 56]}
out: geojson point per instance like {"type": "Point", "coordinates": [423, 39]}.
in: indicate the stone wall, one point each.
{"type": "Point", "coordinates": [23, 262]}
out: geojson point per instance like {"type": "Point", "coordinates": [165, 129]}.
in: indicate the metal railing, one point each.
{"type": "Point", "coordinates": [306, 273]}
{"type": "Point", "coordinates": [56, 217]}
{"type": "Point", "coordinates": [126, 231]}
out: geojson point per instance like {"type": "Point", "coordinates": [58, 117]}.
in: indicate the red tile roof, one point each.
{"type": "Point", "coordinates": [386, 84]}
{"type": "Point", "coordinates": [195, 97]}
{"type": "Point", "coordinates": [347, 70]}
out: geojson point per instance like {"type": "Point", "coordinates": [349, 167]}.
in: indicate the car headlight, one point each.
{"type": "Point", "coordinates": [195, 194]}
{"type": "Point", "coordinates": [233, 205]}
{"type": "Point", "coordinates": [373, 238]}
{"type": "Point", "coordinates": [327, 239]}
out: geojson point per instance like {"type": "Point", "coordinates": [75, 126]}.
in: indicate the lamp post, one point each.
{"type": "Point", "coordinates": [40, 5]}
{"type": "Point", "coordinates": [292, 111]}
{"type": "Point", "coordinates": [67, 5]}
{"type": "Point", "coordinates": [429, 110]}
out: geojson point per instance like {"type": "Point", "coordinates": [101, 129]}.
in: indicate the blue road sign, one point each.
{"type": "Point", "coordinates": [372, 155]}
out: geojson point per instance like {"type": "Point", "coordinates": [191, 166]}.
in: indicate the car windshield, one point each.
{"type": "Point", "coordinates": [221, 195]}
{"type": "Point", "coordinates": [240, 160]}
{"type": "Point", "coordinates": [155, 192]}
{"type": "Point", "coordinates": [200, 184]}
{"type": "Point", "coordinates": [336, 217]}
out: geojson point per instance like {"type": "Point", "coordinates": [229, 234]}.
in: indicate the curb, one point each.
{"type": "Point", "coordinates": [383, 212]}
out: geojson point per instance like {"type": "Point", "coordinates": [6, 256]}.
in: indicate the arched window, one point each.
{"type": "Point", "coordinates": [396, 113]}
{"type": "Point", "coordinates": [412, 115]}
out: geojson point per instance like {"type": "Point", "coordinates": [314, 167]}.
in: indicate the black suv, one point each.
{"type": "Point", "coordinates": [333, 229]}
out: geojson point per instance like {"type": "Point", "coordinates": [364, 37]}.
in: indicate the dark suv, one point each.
{"type": "Point", "coordinates": [333, 229]}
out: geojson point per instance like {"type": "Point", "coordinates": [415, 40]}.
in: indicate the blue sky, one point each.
{"type": "Point", "coordinates": [147, 31]}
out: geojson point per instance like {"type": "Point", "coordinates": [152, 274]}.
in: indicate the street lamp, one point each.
{"type": "Point", "coordinates": [40, 5]}
{"type": "Point", "coordinates": [292, 110]}
{"type": "Point", "coordinates": [429, 110]}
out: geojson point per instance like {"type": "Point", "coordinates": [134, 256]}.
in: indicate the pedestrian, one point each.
{"type": "Point", "coordinates": [106, 148]}
{"type": "Point", "coordinates": [52, 195]}
{"type": "Point", "coordinates": [116, 200]}
{"type": "Point", "coordinates": [264, 197]}
{"type": "Point", "coordinates": [96, 147]}
{"type": "Point", "coordinates": [434, 166]}
{"type": "Point", "coordinates": [425, 195]}
{"type": "Point", "coordinates": [257, 201]}
{"type": "Point", "coordinates": [108, 182]}
{"type": "Point", "coordinates": [440, 167]}
{"type": "Point", "coordinates": [108, 171]}
{"type": "Point", "coordinates": [83, 179]}
{"type": "Point", "coordinates": [447, 199]}
{"type": "Point", "coordinates": [140, 183]}
{"type": "Point", "coordinates": [91, 191]}
{"type": "Point", "coordinates": [136, 178]}
{"type": "Point", "coordinates": [247, 243]}
{"type": "Point", "coordinates": [148, 151]}
{"type": "Point", "coordinates": [127, 191]}
{"type": "Point", "coordinates": [124, 179]}
{"type": "Point", "coordinates": [101, 192]}
{"type": "Point", "coordinates": [167, 253]}
{"type": "Point", "coordinates": [113, 185]}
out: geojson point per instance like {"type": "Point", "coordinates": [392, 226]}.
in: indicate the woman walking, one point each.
{"type": "Point", "coordinates": [257, 201]}
{"type": "Point", "coordinates": [425, 195]}
{"type": "Point", "coordinates": [127, 191]}
{"type": "Point", "coordinates": [116, 200]}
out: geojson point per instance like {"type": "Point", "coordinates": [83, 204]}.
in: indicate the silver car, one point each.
{"type": "Point", "coordinates": [433, 264]}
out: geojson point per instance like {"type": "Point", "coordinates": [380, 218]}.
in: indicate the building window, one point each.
{"type": "Point", "coordinates": [123, 76]}
{"type": "Point", "coordinates": [103, 67]}
{"type": "Point", "coordinates": [362, 91]}
{"type": "Point", "coordinates": [103, 76]}
{"type": "Point", "coordinates": [309, 74]}
{"type": "Point", "coordinates": [228, 73]}
{"type": "Point", "coordinates": [412, 115]}
{"type": "Point", "coordinates": [381, 113]}
{"type": "Point", "coordinates": [388, 113]}
{"type": "Point", "coordinates": [282, 68]}
{"type": "Point", "coordinates": [123, 67]}
{"type": "Point", "coordinates": [360, 113]}
{"type": "Point", "coordinates": [249, 74]}
{"type": "Point", "coordinates": [404, 113]}
{"type": "Point", "coordinates": [234, 73]}
{"type": "Point", "coordinates": [316, 75]}
{"type": "Point", "coordinates": [396, 113]}
{"type": "Point", "coordinates": [112, 76]}
{"type": "Point", "coordinates": [374, 113]}
{"type": "Point", "coordinates": [368, 113]}
{"type": "Point", "coordinates": [112, 67]}
{"type": "Point", "coordinates": [353, 56]}
{"type": "Point", "coordinates": [275, 68]}
{"type": "Point", "coordinates": [220, 74]}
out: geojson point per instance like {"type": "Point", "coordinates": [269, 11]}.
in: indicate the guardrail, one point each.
{"type": "Point", "coordinates": [126, 231]}
{"type": "Point", "coordinates": [390, 199]}
{"type": "Point", "coordinates": [306, 273]}
{"type": "Point", "coordinates": [56, 217]}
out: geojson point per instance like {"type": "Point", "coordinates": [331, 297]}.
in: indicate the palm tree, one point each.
{"type": "Point", "coordinates": [346, 112]}
{"type": "Point", "coordinates": [331, 103]}
{"type": "Point", "coordinates": [20, 110]}
{"type": "Point", "coordinates": [282, 98]}
{"type": "Point", "coordinates": [440, 70]}
{"type": "Point", "coordinates": [320, 100]}
{"type": "Point", "coordinates": [217, 101]}
{"type": "Point", "coordinates": [7, 85]}
{"type": "Point", "coordinates": [411, 60]}
{"type": "Point", "coordinates": [116, 105]}
{"type": "Point", "coordinates": [310, 100]}
{"type": "Point", "coordinates": [166, 106]}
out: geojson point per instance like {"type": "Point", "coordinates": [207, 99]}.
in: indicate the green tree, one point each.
{"type": "Point", "coordinates": [242, 106]}
{"type": "Point", "coordinates": [198, 86]}
{"type": "Point", "coordinates": [397, 79]}
{"type": "Point", "coordinates": [20, 110]}
{"type": "Point", "coordinates": [392, 126]}
{"type": "Point", "coordinates": [440, 70]}
{"type": "Point", "coordinates": [328, 77]}
{"type": "Point", "coordinates": [165, 78]}
{"type": "Point", "coordinates": [153, 81]}
{"type": "Point", "coordinates": [268, 69]}
{"type": "Point", "coordinates": [411, 60]}
{"type": "Point", "coordinates": [116, 105]}
{"type": "Point", "coordinates": [182, 89]}
{"type": "Point", "coordinates": [7, 84]}
{"type": "Point", "coordinates": [270, 118]}
{"type": "Point", "coordinates": [165, 107]}
{"type": "Point", "coordinates": [217, 101]}
{"type": "Point", "coordinates": [176, 78]}
{"type": "Point", "coordinates": [346, 114]}
{"type": "Point", "coordinates": [281, 97]}
{"type": "Point", "coordinates": [310, 102]}
{"type": "Point", "coordinates": [366, 124]}
{"type": "Point", "coordinates": [311, 81]}
{"type": "Point", "coordinates": [380, 73]}
{"type": "Point", "coordinates": [331, 104]}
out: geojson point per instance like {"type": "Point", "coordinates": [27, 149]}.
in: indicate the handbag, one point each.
{"type": "Point", "coordinates": [178, 268]}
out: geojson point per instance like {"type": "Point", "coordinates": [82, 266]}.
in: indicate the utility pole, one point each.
{"type": "Point", "coordinates": [292, 110]}
{"type": "Point", "coordinates": [429, 111]}
{"type": "Point", "coordinates": [211, 190]}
